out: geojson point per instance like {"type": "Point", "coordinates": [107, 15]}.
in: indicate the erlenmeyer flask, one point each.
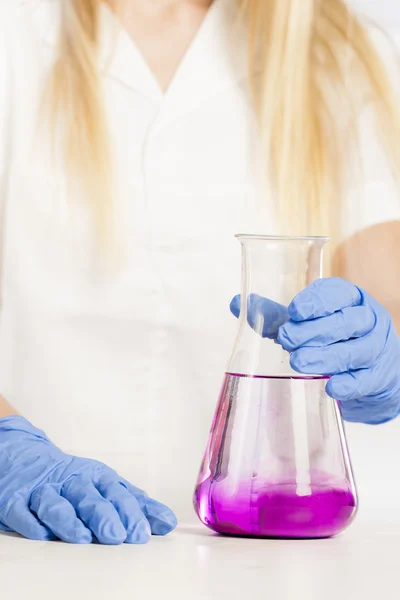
{"type": "Point", "coordinates": [276, 463]}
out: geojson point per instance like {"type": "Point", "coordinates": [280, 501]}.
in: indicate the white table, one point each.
{"type": "Point", "coordinates": [192, 564]}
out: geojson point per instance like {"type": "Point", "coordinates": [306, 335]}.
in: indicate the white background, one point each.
{"type": "Point", "coordinates": [387, 12]}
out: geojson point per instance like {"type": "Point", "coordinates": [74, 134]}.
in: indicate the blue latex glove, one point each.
{"type": "Point", "coordinates": [338, 329]}
{"type": "Point", "coordinates": [263, 315]}
{"type": "Point", "coordinates": [46, 494]}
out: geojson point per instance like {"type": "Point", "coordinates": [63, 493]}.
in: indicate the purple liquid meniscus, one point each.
{"type": "Point", "coordinates": [260, 507]}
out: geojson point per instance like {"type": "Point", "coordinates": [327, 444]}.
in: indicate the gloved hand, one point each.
{"type": "Point", "coordinates": [338, 329]}
{"type": "Point", "coordinates": [46, 494]}
{"type": "Point", "coordinates": [263, 315]}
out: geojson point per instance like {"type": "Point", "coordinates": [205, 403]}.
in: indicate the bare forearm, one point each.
{"type": "Point", "coordinates": [6, 409]}
{"type": "Point", "coordinates": [371, 259]}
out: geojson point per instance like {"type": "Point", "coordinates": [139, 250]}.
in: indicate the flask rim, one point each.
{"type": "Point", "coordinates": [282, 238]}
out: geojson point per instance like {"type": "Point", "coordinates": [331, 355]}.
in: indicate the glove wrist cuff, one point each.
{"type": "Point", "coordinates": [18, 423]}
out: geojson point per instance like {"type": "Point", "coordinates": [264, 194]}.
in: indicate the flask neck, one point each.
{"type": "Point", "coordinates": [279, 268]}
{"type": "Point", "coordinates": [274, 270]}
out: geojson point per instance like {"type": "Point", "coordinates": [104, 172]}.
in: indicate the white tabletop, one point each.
{"type": "Point", "coordinates": [192, 564]}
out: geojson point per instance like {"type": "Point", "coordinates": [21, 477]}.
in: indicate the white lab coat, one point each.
{"type": "Point", "coordinates": [125, 365]}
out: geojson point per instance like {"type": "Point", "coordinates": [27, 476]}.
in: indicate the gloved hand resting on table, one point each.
{"type": "Point", "coordinates": [46, 494]}
{"type": "Point", "coordinates": [335, 328]}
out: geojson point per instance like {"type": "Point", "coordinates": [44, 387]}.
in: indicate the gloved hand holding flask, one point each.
{"type": "Point", "coordinates": [335, 328]}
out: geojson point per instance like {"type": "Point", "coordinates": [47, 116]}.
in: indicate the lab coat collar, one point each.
{"type": "Point", "coordinates": [216, 58]}
{"type": "Point", "coordinates": [215, 61]}
{"type": "Point", "coordinates": [118, 56]}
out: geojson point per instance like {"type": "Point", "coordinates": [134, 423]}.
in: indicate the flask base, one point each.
{"type": "Point", "coordinates": [276, 511]}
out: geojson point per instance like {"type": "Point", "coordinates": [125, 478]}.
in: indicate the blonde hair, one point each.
{"type": "Point", "coordinates": [305, 50]}
{"type": "Point", "coordinates": [76, 95]}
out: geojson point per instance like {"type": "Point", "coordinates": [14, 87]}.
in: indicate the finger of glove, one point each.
{"type": "Point", "coordinates": [342, 325]}
{"type": "Point", "coordinates": [235, 306]}
{"type": "Point", "coordinates": [136, 525]}
{"type": "Point", "coordinates": [367, 396]}
{"type": "Point", "coordinates": [360, 353]}
{"type": "Point", "coordinates": [324, 297]}
{"type": "Point", "coordinates": [161, 518]}
{"type": "Point", "coordinates": [59, 516]}
{"type": "Point", "coordinates": [97, 513]}
{"type": "Point", "coordinates": [17, 517]}
{"type": "Point", "coordinates": [263, 315]}
{"type": "Point", "coordinates": [369, 411]}
{"type": "Point", "coordinates": [355, 385]}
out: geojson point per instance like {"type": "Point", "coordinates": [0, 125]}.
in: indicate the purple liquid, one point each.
{"type": "Point", "coordinates": [261, 506]}
{"type": "Point", "coordinates": [276, 511]}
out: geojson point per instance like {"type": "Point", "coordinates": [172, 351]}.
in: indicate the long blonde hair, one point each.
{"type": "Point", "coordinates": [305, 49]}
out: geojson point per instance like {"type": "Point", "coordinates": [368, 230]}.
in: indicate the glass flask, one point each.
{"type": "Point", "coordinates": [276, 462]}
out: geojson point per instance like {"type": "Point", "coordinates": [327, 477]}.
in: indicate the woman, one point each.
{"type": "Point", "coordinates": [134, 143]}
